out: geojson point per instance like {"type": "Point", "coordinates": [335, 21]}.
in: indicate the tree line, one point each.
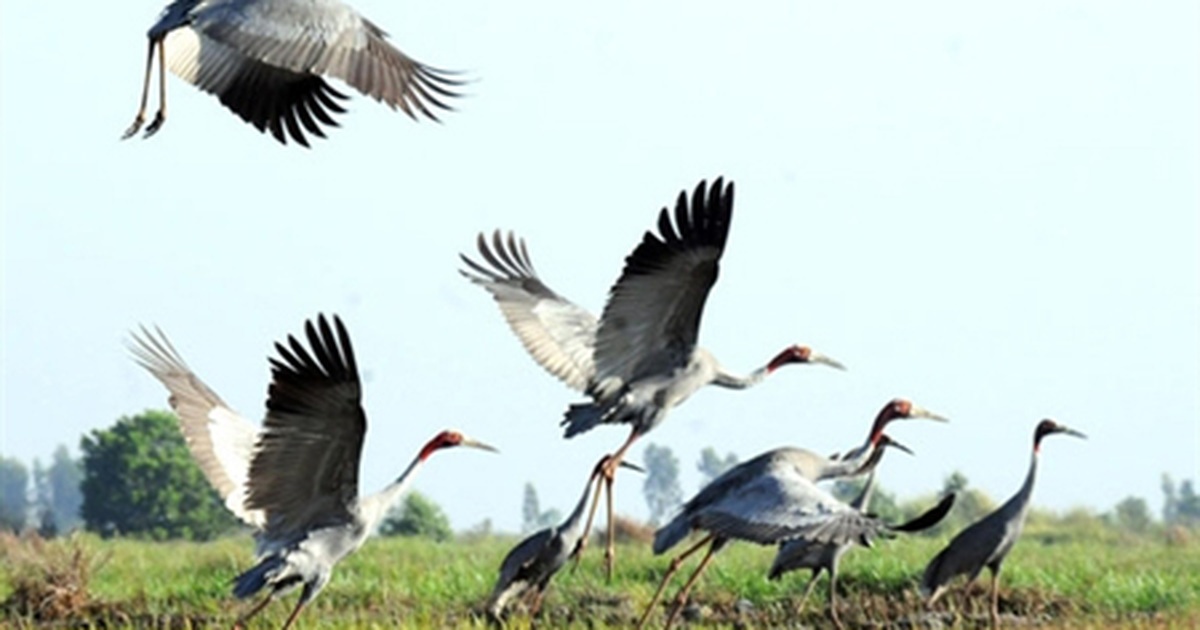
{"type": "Point", "coordinates": [137, 478]}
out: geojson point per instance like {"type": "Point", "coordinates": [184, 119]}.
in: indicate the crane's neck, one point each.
{"type": "Point", "coordinates": [374, 508]}
{"type": "Point", "coordinates": [574, 522]}
{"type": "Point", "coordinates": [863, 499]}
{"type": "Point", "coordinates": [1020, 501]}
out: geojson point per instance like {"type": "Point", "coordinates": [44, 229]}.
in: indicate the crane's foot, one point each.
{"type": "Point", "coordinates": [137, 124]}
{"type": "Point", "coordinates": [156, 124]}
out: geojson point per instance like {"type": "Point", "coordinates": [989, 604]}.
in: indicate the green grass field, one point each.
{"type": "Point", "coordinates": [1052, 579]}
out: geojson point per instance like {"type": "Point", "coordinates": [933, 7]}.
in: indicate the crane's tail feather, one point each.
{"type": "Point", "coordinates": [937, 573]}
{"type": "Point", "coordinates": [257, 577]}
{"type": "Point", "coordinates": [930, 517]}
{"type": "Point", "coordinates": [670, 534]}
{"type": "Point", "coordinates": [582, 417]}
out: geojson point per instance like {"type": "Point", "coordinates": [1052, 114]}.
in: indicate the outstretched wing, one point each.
{"type": "Point", "coordinates": [652, 318]}
{"type": "Point", "coordinates": [220, 440]}
{"type": "Point", "coordinates": [305, 470]}
{"type": "Point", "coordinates": [264, 61]}
{"type": "Point", "coordinates": [558, 334]}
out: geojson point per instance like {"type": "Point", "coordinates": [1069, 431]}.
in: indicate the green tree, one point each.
{"type": "Point", "coordinates": [417, 516]}
{"type": "Point", "coordinates": [14, 501]}
{"type": "Point", "coordinates": [1132, 514]}
{"type": "Point", "coordinates": [661, 487]}
{"type": "Point", "coordinates": [712, 465]}
{"type": "Point", "coordinates": [139, 479]}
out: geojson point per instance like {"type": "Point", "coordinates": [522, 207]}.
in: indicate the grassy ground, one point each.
{"type": "Point", "coordinates": [1052, 580]}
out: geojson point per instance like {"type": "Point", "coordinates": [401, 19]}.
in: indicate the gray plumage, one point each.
{"type": "Point", "coordinates": [801, 553]}
{"type": "Point", "coordinates": [987, 542]}
{"type": "Point", "coordinates": [767, 500]}
{"type": "Point", "coordinates": [265, 60]}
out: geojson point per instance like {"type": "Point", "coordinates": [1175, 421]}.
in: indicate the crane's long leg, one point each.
{"type": "Point", "coordinates": [610, 549]}
{"type": "Point", "coordinates": [239, 624]}
{"type": "Point", "coordinates": [833, 599]}
{"type": "Point", "coordinates": [682, 597]}
{"type": "Point", "coordinates": [141, 113]}
{"type": "Point", "coordinates": [609, 473]}
{"type": "Point", "coordinates": [812, 581]}
{"type": "Point", "coordinates": [304, 597]}
{"type": "Point", "coordinates": [161, 116]}
{"type": "Point", "coordinates": [995, 612]}
{"type": "Point", "coordinates": [676, 562]}
{"type": "Point", "coordinates": [587, 528]}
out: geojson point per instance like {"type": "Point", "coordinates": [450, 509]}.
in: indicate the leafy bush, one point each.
{"type": "Point", "coordinates": [139, 479]}
{"type": "Point", "coordinates": [418, 516]}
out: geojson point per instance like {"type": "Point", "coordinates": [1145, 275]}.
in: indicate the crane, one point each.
{"type": "Point", "coordinates": [801, 553]}
{"type": "Point", "coordinates": [527, 569]}
{"type": "Point", "coordinates": [767, 500]}
{"type": "Point", "coordinates": [987, 542]}
{"type": "Point", "coordinates": [266, 61]}
{"type": "Point", "coordinates": [640, 358]}
{"type": "Point", "coordinates": [302, 476]}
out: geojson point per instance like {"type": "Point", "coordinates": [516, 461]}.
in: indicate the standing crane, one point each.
{"type": "Point", "coordinates": [302, 477]}
{"type": "Point", "coordinates": [640, 358]}
{"type": "Point", "coordinates": [528, 568]}
{"type": "Point", "coordinates": [266, 61]}
{"type": "Point", "coordinates": [986, 543]}
{"type": "Point", "coordinates": [767, 500]}
{"type": "Point", "coordinates": [801, 553]}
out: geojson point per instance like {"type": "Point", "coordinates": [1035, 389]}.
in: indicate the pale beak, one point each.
{"type": "Point", "coordinates": [630, 466]}
{"type": "Point", "coordinates": [466, 441]}
{"type": "Point", "coordinates": [921, 412]}
{"type": "Point", "coordinates": [894, 444]}
{"type": "Point", "coordinates": [817, 357]}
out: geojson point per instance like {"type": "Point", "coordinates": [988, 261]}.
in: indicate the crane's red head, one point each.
{"type": "Point", "coordinates": [448, 439]}
{"type": "Point", "coordinates": [801, 354]}
{"type": "Point", "coordinates": [1048, 427]}
{"type": "Point", "coordinates": [899, 409]}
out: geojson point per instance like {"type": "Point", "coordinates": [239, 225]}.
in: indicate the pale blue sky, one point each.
{"type": "Point", "coordinates": [990, 210]}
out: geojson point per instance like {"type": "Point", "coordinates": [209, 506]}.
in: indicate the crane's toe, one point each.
{"type": "Point", "coordinates": [137, 124]}
{"type": "Point", "coordinates": [155, 124]}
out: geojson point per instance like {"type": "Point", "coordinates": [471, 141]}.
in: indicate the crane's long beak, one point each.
{"type": "Point", "coordinates": [1073, 432]}
{"type": "Point", "coordinates": [896, 445]}
{"type": "Point", "coordinates": [921, 412]}
{"type": "Point", "coordinates": [473, 443]}
{"type": "Point", "coordinates": [631, 466]}
{"type": "Point", "coordinates": [817, 357]}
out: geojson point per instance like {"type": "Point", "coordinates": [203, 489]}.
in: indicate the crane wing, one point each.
{"type": "Point", "coordinates": [220, 440]}
{"type": "Point", "coordinates": [651, 320]}
{"type": "Point", "coordinates": [327, 37]}
{"type": "Point", "coordinates": [285, 102]}
{"type": "Point", "coordinates": [557, 333]}
{"type": "Point", "coordinates": [305, 471]}
{"type": "Point", "coordinates": [524, 556]}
